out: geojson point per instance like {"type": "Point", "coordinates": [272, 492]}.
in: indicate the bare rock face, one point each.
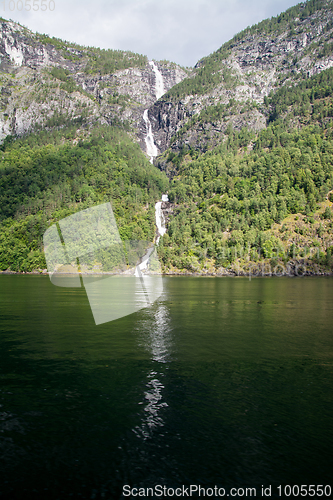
{"type": "Point", "coordinates": [167, 118]}
{"type": "Point", "coordinates": [255, 65]}
{"type": "Point", "coordinates": [20, 47]}
{"type": "Point", "coordinates": [32, 99]}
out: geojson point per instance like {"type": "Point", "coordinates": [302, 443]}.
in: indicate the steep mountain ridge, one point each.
{"type": "Point", "coordinates": [245, 138]}
{"type": "Point", "coordinates": [229, 87]}
{"type": "Point", "coordinates": [46, 82]}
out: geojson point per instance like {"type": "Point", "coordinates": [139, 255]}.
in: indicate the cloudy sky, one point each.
{"type": "Point", "coordinates": [182, 31]}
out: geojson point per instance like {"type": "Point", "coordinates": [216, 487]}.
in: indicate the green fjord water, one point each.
{"type": "Point", "coordinates": [223, 381]}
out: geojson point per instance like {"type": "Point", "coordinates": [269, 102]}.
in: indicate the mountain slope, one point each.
{"type": "Point", "coordinates": [70, 117]}
{"type": "Point", "coordinates": [259, 203]}
{"type": "Point", "coordinates": [45, 177]}
{"type": "Point", "coordinates": [246, 142]}
{"type": "Point", "coordinates": [46, 82]}
{"type": "Point", "coordinates": [228, 88]}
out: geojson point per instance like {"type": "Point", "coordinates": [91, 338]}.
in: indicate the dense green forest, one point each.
{"type": "Point", "coordinates": [227, 202]}
{"type": "Point", "coordinates": [253, 198]}
{"type": "Point", "coordinates": [239, 198]}
{"type": "Point", "coordinates": [231, 200]}
{"type": "Point", "coordinates": [47, 176]}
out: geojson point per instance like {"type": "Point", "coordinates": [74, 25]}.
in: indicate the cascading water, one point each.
{"type": "Point", "coordinates": [152, 152]}
{"type": "Point", "coordinates": [151, 148]}
{"type": "Point", "coordinates": [161, 230]}
{"type": "Point", "coordinates": [159, 217]}
{"type": "Point", "coordinates": [149, 139]}
{"type": "Point", "coordinates": [159, 85]}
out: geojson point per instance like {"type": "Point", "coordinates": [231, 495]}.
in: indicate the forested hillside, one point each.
{"type": "Point", "coordinates": [47, 176]}
{"type": "Point", "coordinates": [262, 197]}
{"type": "Point", "coordinates": [246, 143]}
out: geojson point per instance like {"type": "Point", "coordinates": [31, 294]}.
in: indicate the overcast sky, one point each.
{"type": "Point", "coordinates": [182, 31]}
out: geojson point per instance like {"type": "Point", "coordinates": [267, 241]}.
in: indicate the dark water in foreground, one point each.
{"type": "Point", "coordinates": [224, 381]}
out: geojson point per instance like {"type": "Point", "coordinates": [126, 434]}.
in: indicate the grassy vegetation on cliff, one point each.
{"type": "Point", "coordinates": [103, 61]}
{"type": "Point", "coordinates": [211, 71]}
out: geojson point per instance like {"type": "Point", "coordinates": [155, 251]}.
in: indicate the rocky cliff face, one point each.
{"type": "Point", "coordinates": [254, 64]}
{"type": "Point", "coordinates": [32, 97]}
{"type": "Point", "coordinates": [225, 91]}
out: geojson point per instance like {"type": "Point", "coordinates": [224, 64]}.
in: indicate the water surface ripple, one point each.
{"type": "Point", "coordinates": [223, 381]}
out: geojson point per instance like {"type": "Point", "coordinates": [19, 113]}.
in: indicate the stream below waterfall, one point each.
{"type": "Point", "coordinates": [160, 231]}
{"type": "Point", "coordinates": [152, 151]}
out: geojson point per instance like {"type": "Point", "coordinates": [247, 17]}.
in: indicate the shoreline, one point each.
{"type": "Point", "coordinates": [226, 274]}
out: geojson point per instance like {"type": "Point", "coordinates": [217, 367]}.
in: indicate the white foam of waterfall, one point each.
{"type": "Point", "coordinates": [149, 139]}
{"type": "Point", "coordinates": [159, 85]}
{"type": "Point", "coordinates": [161, 230]}
{"type": "Point", "coordinates": [151, 148]}
{"type": "Point", "coordinates": [159, 217]}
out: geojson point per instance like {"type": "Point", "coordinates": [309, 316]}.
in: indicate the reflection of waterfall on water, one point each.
{"type": "Point", "coordinates": [159, 337]}
{"type": "Point", "coordinates": [158, 342]}
{"type": "Point", "coordinates": [151, 148]}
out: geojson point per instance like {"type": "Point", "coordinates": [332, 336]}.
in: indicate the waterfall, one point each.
{"type": "Point", "coordinates": [161, 229]}
{"type": "Point", "coordinates": [159, 217]}
{"type": "Point", "coordinates": [159, 85]}
{"type": "Point", "coordinates": [149, 139]}
{"type": "Point", "coordinates": [151, 148]}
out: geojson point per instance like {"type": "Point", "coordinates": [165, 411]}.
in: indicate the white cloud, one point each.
{"type": "Point", "coordinates": [179, 30]}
